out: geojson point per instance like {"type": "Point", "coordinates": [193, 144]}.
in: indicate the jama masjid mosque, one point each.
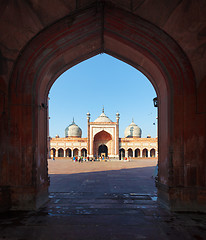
{"type": "Point", "coordinates": [103, 140]}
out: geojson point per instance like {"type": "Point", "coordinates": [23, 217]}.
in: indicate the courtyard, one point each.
{"type": "Point", "coordinates": [102, 200]}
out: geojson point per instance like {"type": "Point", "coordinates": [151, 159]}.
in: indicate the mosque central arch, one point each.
{"type": "Point", "coordinates": [78, 37]}
{"type": "Point", "coordinates": [103, 144]}
{"type": "Point", "coordinates": [103, 150]}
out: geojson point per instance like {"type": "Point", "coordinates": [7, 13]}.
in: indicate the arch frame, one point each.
{"type": "Point", "coordinates": [122, 153]}
{"type": "Point", "coordinates": [105, 150]}
{"type": "Point", "coordinates": [74, 150]}
{"type": "Point", "coordinates": [145, 153]}
{"type": "Point", "coordinates": [68, 152]}
{"type": "Point", "coordinates": [137, 152]}
{"type": "Point", "coordinates": [130, 152]}
{"type": "Point", "coordinates": [152, 150]}
{"type": "Point", "coordinates": [103, 131]}
{"type": "Point", "coordinates": [84, 34]}
{"type": "Point", "coordinates": [60, 151]}
{"type": "Point", "coordinates": [108, 141]}
{"type": "Point", "coordinates": [83, 152]}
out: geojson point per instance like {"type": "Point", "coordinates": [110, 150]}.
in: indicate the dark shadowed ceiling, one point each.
{"type": "Point", "coordinates": [183, 20]}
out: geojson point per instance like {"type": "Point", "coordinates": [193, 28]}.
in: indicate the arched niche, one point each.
{"type": "Point", "coordinates": [102, 136]}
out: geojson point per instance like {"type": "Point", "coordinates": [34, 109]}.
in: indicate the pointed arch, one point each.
{"type": "Point", "coordinates": [103, 135]}
{"type": "Point", "coordinates": [77, 38]}
{"type": "Point", "coordinates": [60, 152]}
{"type": "Point", "coordinates": [137, 152]}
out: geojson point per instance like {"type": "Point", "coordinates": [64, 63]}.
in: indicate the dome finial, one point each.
{"type": "Point", "coordinates": [117, 116]}
{"type": "Point", "coordinates": [132, 119]}
{"type": "Point", "coordinates": [73, 121]}
{"type": "Point", "coordinates": [103, 109]}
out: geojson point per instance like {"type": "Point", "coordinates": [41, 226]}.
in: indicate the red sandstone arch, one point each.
{"type": "Point", "coordinates": [145, 153]}
{"type": "Point", "coordinates": [130, 152]}
{"type": "Point", "coordinates": [121, 153]}
{"type": "Point", "coordinates": [75, 152]}
{"type": "Point", "coordinates": [53, 152]}
{"type": "Point", "coordinates": [137, 152]}
{"type": "Point", "coordinates": [100, 138]}
{"type": "Point", "coordinates": [60, 152]}
{"type": "Point", "coordinates": [72, 40]}
{"type": "Point", "coordinates": [84, 152]}
{"type": "Point", "coordinates": [152, 152]}
{"type": "Point", "coordinates": [68, 152]}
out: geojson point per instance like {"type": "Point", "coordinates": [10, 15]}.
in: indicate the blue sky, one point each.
{"type": "Point", "coordinates": [102, 81]}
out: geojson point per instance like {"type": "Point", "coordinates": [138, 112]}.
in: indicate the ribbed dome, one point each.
{"type": "Point", "coordinates": [73, 130]}
{"type": "Point", "coordinates": [103, 118]}
{"type": "Point", "coordinates": [132, 131]}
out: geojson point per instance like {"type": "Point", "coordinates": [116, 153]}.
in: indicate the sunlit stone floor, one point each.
{"type": "Point", "coordinates": [108, 204]}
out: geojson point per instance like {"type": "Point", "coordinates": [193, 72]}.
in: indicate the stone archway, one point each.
{"type": "Point", "coordinates": [130, 152]}
{"type": "Point", "coordinates": [121, 154]}
{"type": "Point", "coordinates": [68, 152]}
{"type": "Point", "coordinates": [84, 152]}
{"type": "Point", "coordinates": [72, 40]}
{"type": "Point", "coordinates": [145, 153]}
{"type": "Point", "coordinates": [137, 152]}
{"type": "Point", "coordinates": [75, 152]}
{"type": "Point", "coordinates": [102, 138]}
{"type": "Point", "coordinates": [103, 150]}
{"type": "Point", "coordinates": [60, 152]}
{"type": "Point", "coordinates": [152, 153]}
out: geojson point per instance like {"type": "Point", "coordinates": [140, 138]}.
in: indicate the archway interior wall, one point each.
{"type": "Point", "coordinates": [176, 96]}
{"type": "Point", "coordinates": [103, 138]}
{"type": "Point", "coordinates": [124, 36]}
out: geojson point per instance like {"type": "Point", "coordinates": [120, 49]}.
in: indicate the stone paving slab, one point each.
{"type": "Point", "coordinates": [109, 204]}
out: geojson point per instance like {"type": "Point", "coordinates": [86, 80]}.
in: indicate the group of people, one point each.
{"type": "Point", "coordinates": [89, 159]}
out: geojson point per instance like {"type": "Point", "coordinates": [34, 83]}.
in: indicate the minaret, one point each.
{"type": "Point", "coordinates": [88, 134]}
{"type": "Point", "coordinates": [117, 134]}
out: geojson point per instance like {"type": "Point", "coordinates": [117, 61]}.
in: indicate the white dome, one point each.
{"type": "Point", "coordinates": [73, 130]}
{"type": "Point", "coordinates": [132, 131]}
{"type": "Point", "coordinates": [103, 118]}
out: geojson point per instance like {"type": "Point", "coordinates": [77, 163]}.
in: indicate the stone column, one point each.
{"type": "Point", "coordinates": [141, 153]}
{"type": "Point", "coordinates": [117, 135]}
{"type": "Point", "coordinates": [64, 152]}
{"type": "Point", "coordinates": [88, 134]}
{"type": "Point", "coordinates": [133, 153]}
{"type": "Point", "coordinates": [92, 147]}
{"type": "Point", "coordinates": [72, 153]}
{"type": "Point", "coordinates": [79, 153]}
{"type": "Point", "coordinates": [126, 153]}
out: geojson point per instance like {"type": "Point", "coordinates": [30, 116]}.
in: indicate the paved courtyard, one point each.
{"type": "Point", "coordinates": [104, 177]}
{"type": "Point", "coordinates": [102, 200]}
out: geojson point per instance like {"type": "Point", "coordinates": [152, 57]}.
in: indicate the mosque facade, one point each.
{"type": "Point", "coordinates": [103, 140]}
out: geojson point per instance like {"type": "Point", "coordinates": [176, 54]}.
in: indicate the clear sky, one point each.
{"type": "Point", "coordinates": [102, 81]}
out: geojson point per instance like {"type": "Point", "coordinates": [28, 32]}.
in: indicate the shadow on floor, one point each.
{"type": "Point", "coordinates": [123, 181]}
{"type": "Point", "coordinates": [118, 204]}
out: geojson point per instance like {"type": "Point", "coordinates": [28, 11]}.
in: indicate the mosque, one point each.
{"type": "Point", "coordinates": [103, 140]}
